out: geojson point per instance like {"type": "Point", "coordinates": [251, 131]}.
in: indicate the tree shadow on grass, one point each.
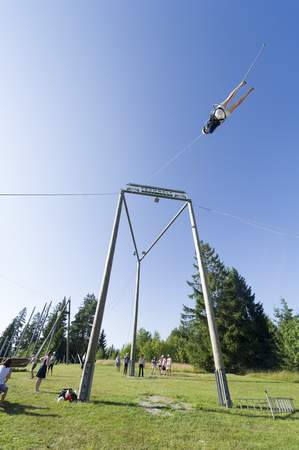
{"type": "Point", "coordinates": [28, 410]}
{"type": "Point", "coordinates": [111, 403]}
{"type": "Point", "coordinates": [265, 381]}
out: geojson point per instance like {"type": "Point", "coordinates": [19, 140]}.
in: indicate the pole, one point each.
{"type": "Point", "coordinates": [68, 332]}
{"type": "Point", "coordinates": [34, 333]}
{"type": "Point", "coordinates": [88, 370]}
{"type": "Point", "coordinates": [23, 333]}
{"type": "Point", "coordinates": [221, 381]}
{"type": "Point", "coordinates": [3, 345]}
{"type": "Point", "coordinates": [133, 345]}
{"type": "Point", "coordinates": [51, 333]}
{"type": "Point", "coordinates": [41, 326]}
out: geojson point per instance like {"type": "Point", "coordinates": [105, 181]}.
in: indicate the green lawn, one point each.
{"type": "Point", "coordinates": [114, 419]}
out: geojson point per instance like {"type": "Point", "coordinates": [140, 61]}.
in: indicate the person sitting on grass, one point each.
{"type": "Point", "coordinates": [5, 373]}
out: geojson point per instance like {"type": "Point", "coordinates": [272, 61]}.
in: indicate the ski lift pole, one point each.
{"type": "Point", "coordinates": [3, 345]}
{"type": "Point", "coordinates": [34, 333]}
{"type": "Point", "coordinates": [42, 326]}
{"type": "Point", "coordinates": [50, 335]}
{"type": "Point", "coordinates": [23, 333]}
{"type": "Point", "coordinates": [67, 359]}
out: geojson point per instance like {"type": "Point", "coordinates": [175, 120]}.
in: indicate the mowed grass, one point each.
{"type": "Point", "coordinates": [114, 418]}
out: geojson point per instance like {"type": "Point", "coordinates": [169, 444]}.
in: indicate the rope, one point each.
{"type": "Point", "coordinates": [174, 158]}
{"type": "Point", "coordinates": [58, 194]}
{"type": "Point", "coordinates": [254, 61]}
{"type": "Point", "coordinates": [252, 223]}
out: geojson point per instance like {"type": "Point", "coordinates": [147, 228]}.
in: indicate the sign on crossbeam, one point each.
{"type": "Point", "coordinates": [154, 191]}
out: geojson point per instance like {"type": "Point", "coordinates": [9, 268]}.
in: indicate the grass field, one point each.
{"type": "Point", "coordinates": [185, 416]}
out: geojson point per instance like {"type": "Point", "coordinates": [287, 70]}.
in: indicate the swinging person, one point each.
{"type": "Point", "coordinates": [222, 111]}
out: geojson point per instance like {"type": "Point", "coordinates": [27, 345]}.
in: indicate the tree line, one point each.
{"type": "Point", "coordinates": [250, 340]}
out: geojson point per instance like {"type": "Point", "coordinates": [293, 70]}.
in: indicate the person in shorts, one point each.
{"type": "Point", "coordinates": [117, 362]}
{"type": "Point", "coordinates": [154, 365]}
{"type": "Point", "coordinates": [126, 363]}
{"type": "Point", "coordinates": [52, 361]}
{"type": "Point", "coordinates": [168, 365]}
{"type": "Point", "coordinates": [5, 373]}
{"type": "Point", "coordinates": [222, 111]}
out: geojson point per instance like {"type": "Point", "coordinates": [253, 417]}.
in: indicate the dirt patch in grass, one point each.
{"type": "Point", "coordinates": [163, 406]}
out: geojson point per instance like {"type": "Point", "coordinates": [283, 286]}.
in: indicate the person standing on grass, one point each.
{"type": "Point", "coordinates": [42, 371]}
{"type": "Point", "coordinates": [160, 364]}
{"type": "Point", "coordinates": [117, 362]}
{"type": "Point", "coordinates": [168, 365]}
{"type": "Point", "coordinates": [52, 361]}
{"type": "Point", "coordinates": [141, 365]}
{"type": "Point", "coordinates": [33, 365]}
{"type": "Point", "coordinates": [126, 363]}
{"type": "Point", "coordinates": [5, 373]}
{"type": "Point", "coordinates": [154, 366]}
{"type": "Point", "coordinates": [163, 365]}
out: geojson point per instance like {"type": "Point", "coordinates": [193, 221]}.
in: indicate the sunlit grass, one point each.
{"type": "Point", "coordinates": [114, 418]}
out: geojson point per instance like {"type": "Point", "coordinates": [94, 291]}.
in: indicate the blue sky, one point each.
{"type": "Point", "coordinates": [98, 94]}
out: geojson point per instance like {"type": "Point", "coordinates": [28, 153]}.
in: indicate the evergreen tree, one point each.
{"type": "Point", "coordinates": [194, 319]}
{"type": "Point", "coordinates": [13, 333]}
{"type": "Point", "coordinates": [56, 341]}
{"type": "Point", "coordinates": [245, 332]}
{"type": "Point", "coordinates": [288, 336]}
{"type": "Point", "coordinates": [102, 353]}
{"type": "Point", "coordinates": [81, 325]}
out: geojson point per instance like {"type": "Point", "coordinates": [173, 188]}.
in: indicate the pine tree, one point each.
{"type": "Point", "coordinates": [194, 319]}
{"type": "Point", "coordinates": [287, 336]}
{"type": "Point", "coordinates": [246, 334]}
{"type": "Point", "coordinates": [81, 325]}
{"type": "Point", "coordinates": [56, 341]}
{"type": "Point", "coordinates": [102, 352]}
{"type": "Point", "coordinates": [13, 332]}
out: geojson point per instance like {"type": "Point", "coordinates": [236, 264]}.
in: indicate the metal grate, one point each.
{"type": "Point", "coordinates": [275, 405]}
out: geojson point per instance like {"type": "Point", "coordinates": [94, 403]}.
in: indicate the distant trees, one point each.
{"type": "Point", "coordinates": [249, 339]}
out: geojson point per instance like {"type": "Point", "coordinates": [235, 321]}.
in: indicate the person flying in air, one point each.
{"type": "Point", "coordinates": [222, 111]}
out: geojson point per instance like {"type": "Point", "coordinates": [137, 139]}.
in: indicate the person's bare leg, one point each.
{"type": "Point", "coordinates": [241, 100]}
{"type": "Point", "coordinates": [38, 382]}
{"type": "Point", "coordinates": [3, 395]}
{"type": "Point", "coordinates": [233, 93]}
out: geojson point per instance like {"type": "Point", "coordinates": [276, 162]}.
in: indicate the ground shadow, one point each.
{"type": "Point", "coordinates": [28, 410]}
{"type": "Point", "coordinates": [111, 403]}
{"type": "Point", "coordinates": [230, 380]}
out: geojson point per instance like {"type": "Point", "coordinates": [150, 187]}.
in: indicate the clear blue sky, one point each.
{"type": "Point", "coordinates": [97, 94]}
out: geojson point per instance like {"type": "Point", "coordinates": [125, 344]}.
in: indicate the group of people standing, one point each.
{"type": "Point", "coordinates": [164, 364]}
